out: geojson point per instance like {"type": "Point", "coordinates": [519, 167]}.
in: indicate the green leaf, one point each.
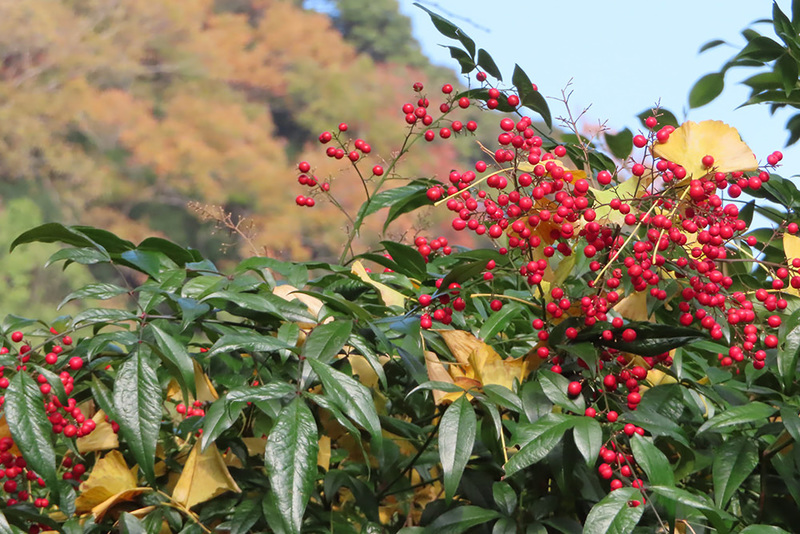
{"type": "Point", "coordinates": [652, 461]}
{"type": "Point", "coordinates": [55, 232]}
{"type": "Point", "coordinates": [486, 62]}
{"type": "Point", "coordinates": [102, 315]}
{"type": "Point", "coordinates": [137, 403]}
{"type": "Point", "coordinates": [789, 353]}
{"type": "Point", "coordinates": [539, 439]}
{"type": "Point", "coordinates": [504, 497]}
{"type": "Point", "coordinates": [733, 463]}
{"type": "Point", "coordinates": [613, 515]}
{"type": "Point", "coordinates": [461, 519]}
{"type": "Point", "coordinates": [588, 437]}
{"type": "Point", "coordinates": [350, 396]}
{"type": "Point", "coordinates": [652, 339]}
{"type": "Point", "coordinates": [693, 500]}
{"type": "Point", "coordinates": [786, 68]}
{"type": "Point", "coordinates": [408, 259]}
{"type": "Point", "coordinates": [462, 272]}
{"type": "Point", "coordinates": [82, 255]}
{"type": "Point", "coordinates": [94, 291]}
{"type": "Point", "coordinates": [456, 438]}
{"type": "Point", "coordinates": [464, 59]}
{"type": "Point", "coordinates": [174, 252]}
{"type": "Point", "coordinates": [176, 358]}
{"type": "Point", "coordinates": [448, 29]}
{"type": "Point", "coordinates": [763, 529]}
{"type": "Point", "coordinates": [738, 415]}
{"type": "Point", "coordinates": [130, 524]}
{"type": "Point", "coordinates": [5, 528]}
{"type": "Point", "coordinates": [620, 144]}
{"type": "Point", "coordinates": [762, 49]}
{"type": "Point", "coordinates": [706, 89]}
{"type": "Point", "coordinates": [555, 387]}
{"type": "Point", "coordinates": [529, 97]}
{"type": "Point", "coordinates": [27, 421]}
{"type": "Point", "coordinates": [144, 261]}
{"type": "Point", "coordinates": [291, 461]}
{"type": "Point", "coordinates": [251, 342]}
{"type": "Point", "coordinates": [711, 44]}
{"type": "Point", "coordinates": [326, 340]}
{"type": "Point", "coordinates": [498, 321]}
{"type": "Point", "coordinates": [791, 422]}
{"type": "Point", "coordinates": [502, 396]}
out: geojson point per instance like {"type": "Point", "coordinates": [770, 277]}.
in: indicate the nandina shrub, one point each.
{"type": "Point", "coordinates": [621, 354]}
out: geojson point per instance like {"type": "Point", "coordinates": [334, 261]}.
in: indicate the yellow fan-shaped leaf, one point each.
{"type": "Point", "coordinates": [110, 482]}
{"type": "Point", "coordinates": [389, 296]}
{"type": "Point", "coordinates": [204, 476]}
{"type": "Point", "coordinates": [633, 307]}
{"type": "Point", "coordinates": [689, 144]}
{"type": "Point", "coordinates": [102, 438]}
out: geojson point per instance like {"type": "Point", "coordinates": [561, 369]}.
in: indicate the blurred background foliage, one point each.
{"type": "Point", "coordinates": [118, 113]}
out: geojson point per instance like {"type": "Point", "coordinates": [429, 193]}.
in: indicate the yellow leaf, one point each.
{"type": "Point", "coordinates": [689, 144]}
{"type": "Point", "coordinates": [205, 389]}
{"type": "Point", "coordinates": [389, 296]}
{"type": "Point", "coordinates": [628, 190]}
{"type": "Point", "coordinates": [324, 453]}
{"type": "Point", "coordinates": [255, 446]}
{"type": "Point", "coordinates": [204, 477]}
{"type": "Point", "coordinates": [314, 305]}
{"type": "Point", "coordinates": [438, 373]}
{"type": "Point", "coordinates": [633, 307]}
{"type": "Point", "coordinates": [482, 363]}
{"type": "Point", "coordinates": [102, 437]}
{"type": "Point", "coordinates": [110, 482]}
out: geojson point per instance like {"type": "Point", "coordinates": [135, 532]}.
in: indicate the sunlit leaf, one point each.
{"type": "Point", "coordinates": [204, 476]}
{"type": "Point", "coordinates": [689, 144]}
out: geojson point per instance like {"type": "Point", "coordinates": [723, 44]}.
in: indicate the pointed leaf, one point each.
{"type": "Point", "coordinates": [588, 437]}
{"type": "Point", "coordinates": [733, 463]}
{"type": "Point", "coordinates": [620, 144]}
{"type": "Point", "coordinates": [408, 259]}
{"type": "Point", "coordinates": [176, 358]}
{"type": "Point", "coordinates": [652, 461]}
{"type": "Point", "coordinates": [790, 328]}
{"type": "Point", "coordinates": [456, 438]}
{"type": "Point", "coordinates": [27, 421]}
{"type": "Point", "coordinates": [706, 89]}
{"type": "Point", "coordinates": [738, 415]}
{"type": "Point", "coordinates": [251, 342]}
{"type": "Point", "coordinates": [461, 519]}
{"type": "Point", "coordinates": [137, 404]}
{"type": "Point", "coordinates": [291, 461]}
{"type": "Point", "coordinates": [555, 387]}
{"type": "Point", "coordinates": [327, 340]}
{"type": "Point", "coordinates": [82, 255]}
{"type": "Point", "coordinates": [204, 476]}
{"type": "Point", "coordinates": [486, 62]}
{"type": "Point", "coordinates": [350, 396]}
{"type": "Point", "coordinates": [94, 291]}
{"type": "Point", "coordinates": [613, 514]}
{"type": "Point", "coordinates": [540, 438]}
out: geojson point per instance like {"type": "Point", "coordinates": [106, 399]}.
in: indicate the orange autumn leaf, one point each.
{"type": "Point", "coordinates": [689, 144]}
{"type": "Point", "coordinates": [110, 482]}
{"type": "Point", "coordinates": [204, 476]}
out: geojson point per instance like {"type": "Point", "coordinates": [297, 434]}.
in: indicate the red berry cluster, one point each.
{"type": "Point", "coordinates": [623, 464]}
{"type": "Point", "coordinates": [66, 419]}
{"type": "Point", "coordinates": [196, 409]}
{"type": "Point", "coordinates": [415, 116]}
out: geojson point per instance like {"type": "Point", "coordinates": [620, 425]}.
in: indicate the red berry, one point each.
{"type": "Point", "coordinates": [639, 141]}
{"type": "Point", "coordinates": [463, 102]}
{"type": "Point", "coordinates": [16, 337]}
{"type": "Point", "coordinates": [343, 127]}
{"type": "Point", "coordinates": [612, 416]}
{"type": "Point", "coordinates": [574, 389]}
{"type": "Point", "coordinates": [377, 170]}
{"type": "Point", "coordinates": [75, 363]}
{"type": "Point", "coordinates": [303, 166]}
{"type": "Point", "coordinates": [651, 122]}
{"type": "Point", "coordinates": [496, 305]}
{"type": "Point", "coordinates": [447, 88]}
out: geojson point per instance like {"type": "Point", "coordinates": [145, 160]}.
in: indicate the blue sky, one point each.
{"type": "Point", "coordinates": [622, 56]}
